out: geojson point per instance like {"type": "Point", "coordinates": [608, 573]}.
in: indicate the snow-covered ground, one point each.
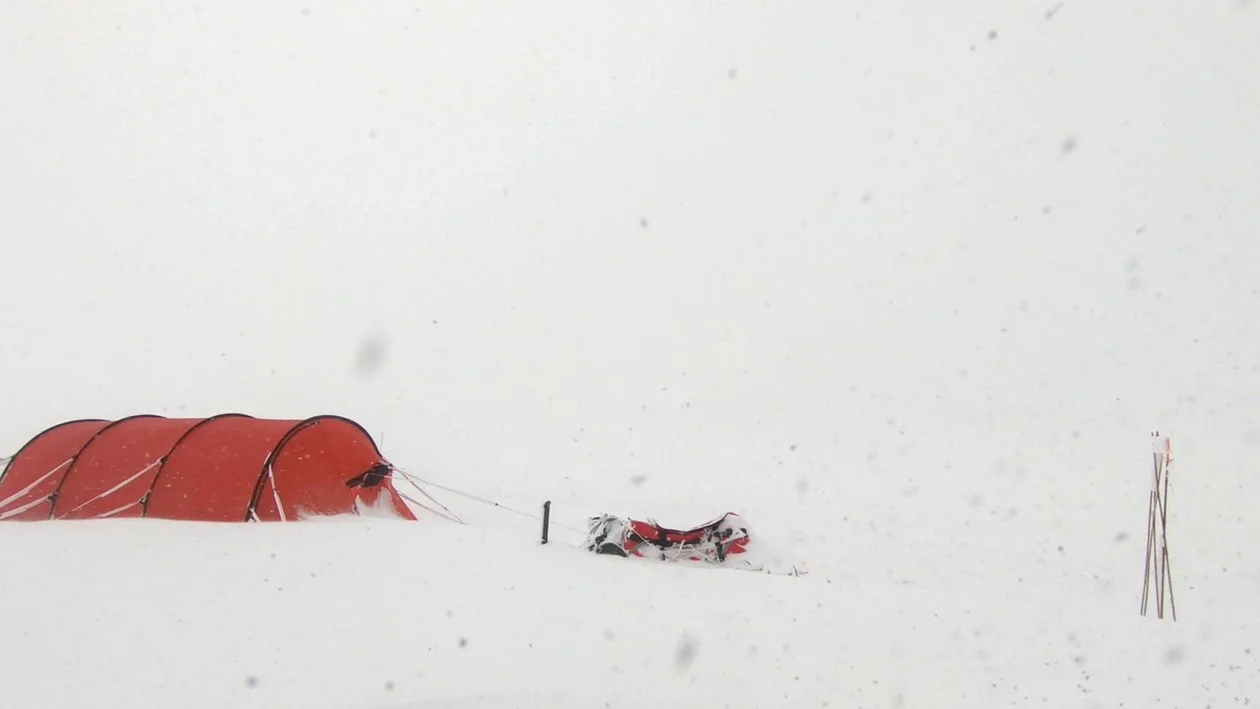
{"type": "Point", "coordinates": [907, 287]}
{"type": "Point", "coordinates": [369, 613]}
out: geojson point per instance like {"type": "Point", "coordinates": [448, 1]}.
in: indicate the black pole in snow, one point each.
{"type": "Point", "coordinates": [546, 519]}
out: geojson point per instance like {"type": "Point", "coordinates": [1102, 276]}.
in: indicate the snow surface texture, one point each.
{"type": "Point", "coordinates": [907, 288]}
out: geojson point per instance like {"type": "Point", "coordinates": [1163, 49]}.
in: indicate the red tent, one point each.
{"type": "Point", "coordinates": [227, 468]}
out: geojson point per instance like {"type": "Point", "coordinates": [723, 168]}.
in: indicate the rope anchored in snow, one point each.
{"type": "Point", "coordinates": [417, 482]}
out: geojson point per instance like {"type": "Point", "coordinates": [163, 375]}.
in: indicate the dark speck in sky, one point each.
{"type": "Point", "coordinates": [686, 652]}
{"type": "Point", "coordinates": [370, 355]}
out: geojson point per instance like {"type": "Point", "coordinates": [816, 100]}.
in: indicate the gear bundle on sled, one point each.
{"type": "Point", "coordinates": [713, 542]}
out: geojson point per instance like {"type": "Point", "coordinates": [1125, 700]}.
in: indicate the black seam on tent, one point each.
{"type": "Point", "coordinates": [284, 440]}
{"type": "Point", "coordinates": [57, 493]}
{"type": "Point", "coordinates": [36, 437]}
{"type": "Point", "coordinates": [148, 495]}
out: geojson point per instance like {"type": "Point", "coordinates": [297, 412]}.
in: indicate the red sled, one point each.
{"type": "Point", "coordinates": [712, 542]}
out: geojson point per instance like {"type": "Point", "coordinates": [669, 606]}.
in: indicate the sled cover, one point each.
{"type": "Point", "coordinates": [713, 542]}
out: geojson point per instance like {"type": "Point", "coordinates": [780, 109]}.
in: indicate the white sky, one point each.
{"type": "Point", "coordinates": [596, 241]}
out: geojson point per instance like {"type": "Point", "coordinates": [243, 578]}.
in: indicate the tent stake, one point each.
{"type": "Point", "coordinates": [546, 520]}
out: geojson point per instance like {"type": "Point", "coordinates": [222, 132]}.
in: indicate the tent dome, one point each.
{"type": "Point", "coordinates": [226, 468]}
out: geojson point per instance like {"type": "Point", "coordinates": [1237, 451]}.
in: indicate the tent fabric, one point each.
{"type": "Point", "coordinates": [35, 471]}
{"type": "Point", "coordinates": [114, 471]}
{"type": "Point", "coordinates": [212, 471]}
{"type": "Point", "coordinates": [229, 468]}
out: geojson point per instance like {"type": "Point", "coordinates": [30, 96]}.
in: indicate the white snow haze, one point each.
{"type": "Point", "coordinates": [906, 285]}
